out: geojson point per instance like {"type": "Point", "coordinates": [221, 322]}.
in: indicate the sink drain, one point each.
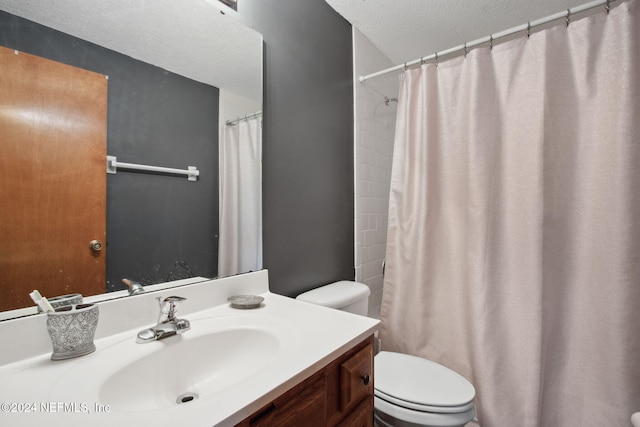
{"type": "Point", "coordinates": [186, 397]}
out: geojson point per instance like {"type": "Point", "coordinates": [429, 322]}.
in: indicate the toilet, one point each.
{"type": "Point", "coordinates": [409, 391]}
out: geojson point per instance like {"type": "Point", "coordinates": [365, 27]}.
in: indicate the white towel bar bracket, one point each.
{"type": "Point", "coordinates": [113, 165]}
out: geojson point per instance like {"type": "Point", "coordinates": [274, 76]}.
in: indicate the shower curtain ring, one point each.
{"type": "Point", "coordinates": [528, 29]}
{"type": "Point", "coordinates": [607, 6]}
{"type": "Point", "coordinates": [422, 61]}
{"type": "Point", "coordinates": [436, 59]}
{"type": "Point", "coordinates": [491, 41]}
{"type": "Point", "coordinates": [405, 66]}
{"type": "Point", "coordinates": [465, 50]}
{"type": "Point", "coordinates": [568, 16]}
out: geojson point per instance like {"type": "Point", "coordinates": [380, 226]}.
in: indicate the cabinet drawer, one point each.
{"type": "Point", "coordinates": [356, 377]}
{"type": "Point", "coordinates": [301, 406]}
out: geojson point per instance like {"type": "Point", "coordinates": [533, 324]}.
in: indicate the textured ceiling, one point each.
{"type": "Point", "coordinates": [405, 30]}
{"type": "Point", "coordinates": [188, 37]}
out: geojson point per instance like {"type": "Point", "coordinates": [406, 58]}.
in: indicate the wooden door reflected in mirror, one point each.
{"type": "Point", "coordinates": [52, 160]}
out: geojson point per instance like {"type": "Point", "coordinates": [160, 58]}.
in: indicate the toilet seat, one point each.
{"type": "Point", "coordinates": [423, 408]}
{"type": "Point", "coordinates": [394, 415]}
{"type": "Point", "coordinates": [421, 385]}
{"type": "Point", "coordinates": [388, 414]}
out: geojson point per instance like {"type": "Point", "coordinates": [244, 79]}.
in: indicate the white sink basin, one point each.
{"type": "Point", "coordinates": [185, 370]}
{"type": "Point", "coordinates": [216, 354]}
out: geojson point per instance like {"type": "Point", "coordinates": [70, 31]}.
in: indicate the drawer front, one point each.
{"type": "Point", "coordinates": [301, 406]}
{"type": "Point", "coordinates": [356, 377]}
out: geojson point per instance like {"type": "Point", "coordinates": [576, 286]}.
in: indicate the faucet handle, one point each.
{"type": "Point", "coordinates": [172, 302]}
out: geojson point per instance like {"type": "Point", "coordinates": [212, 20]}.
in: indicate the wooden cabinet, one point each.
{"type": "Point", "coordinates": [340, 394]}
{"type": "Point", "coordinates": [361, 416]}
{"type": "Point", "coordinates": [303, 405]}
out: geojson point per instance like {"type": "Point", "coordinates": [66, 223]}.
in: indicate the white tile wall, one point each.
{"type": "Point", "coordinates": [374, 130]}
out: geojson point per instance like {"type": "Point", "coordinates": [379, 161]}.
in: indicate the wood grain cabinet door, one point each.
{"type": "Point", "coordinates": [356, 378]}
{"type": "Point", "coordinates": [361, 416]}
{"type": "Point", "coordinates": [53, 138]}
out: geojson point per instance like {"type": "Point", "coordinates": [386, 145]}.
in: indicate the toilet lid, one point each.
{"type": "Point", "coordinates": [420, 382]}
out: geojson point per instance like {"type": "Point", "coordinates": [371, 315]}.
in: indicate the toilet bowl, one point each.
{"type": "Point", "coordinates": [409, 391]}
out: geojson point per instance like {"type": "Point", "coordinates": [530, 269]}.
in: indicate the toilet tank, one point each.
{"type": "Point", "coordinates": [344, 295]}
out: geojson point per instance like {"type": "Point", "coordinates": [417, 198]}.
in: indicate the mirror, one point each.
{"type": "Point", "coordinates": [190, 67]}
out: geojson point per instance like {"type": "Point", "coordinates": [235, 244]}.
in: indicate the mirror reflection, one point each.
{"type": "Point", "coordinates": [184, 88]}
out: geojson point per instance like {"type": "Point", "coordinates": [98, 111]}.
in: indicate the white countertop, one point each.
{"type": "Point", "coordinates": [35, 391]}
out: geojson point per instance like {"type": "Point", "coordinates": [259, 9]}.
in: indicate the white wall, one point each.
{"type": "Point", "coordinates": [374, 130]}
{"type": "Point", "coordinates": [233, 106]}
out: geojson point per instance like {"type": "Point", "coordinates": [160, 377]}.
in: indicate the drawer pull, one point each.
{"type": "Point", "coordinates": [366, 379]}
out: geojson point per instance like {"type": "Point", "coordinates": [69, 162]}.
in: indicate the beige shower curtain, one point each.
{"type": "Point", "coordinates": [514, 223]}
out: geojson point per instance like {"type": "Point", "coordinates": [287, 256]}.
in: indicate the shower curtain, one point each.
{"type": "Point", "coordinates": [240, 158]}
{"type": "Point", "coordinates": [513, 250]}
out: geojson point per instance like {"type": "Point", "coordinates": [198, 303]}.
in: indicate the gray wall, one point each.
{"type": "Point", "coordinates": [154, 117]}
{"type": "Point", "coordinates": [308, 193]}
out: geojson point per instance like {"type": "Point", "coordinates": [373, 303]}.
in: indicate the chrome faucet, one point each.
{"type": "Point", "coordinates": [167, 325]}
{"type": "Point", "coordinates": [135, 288]}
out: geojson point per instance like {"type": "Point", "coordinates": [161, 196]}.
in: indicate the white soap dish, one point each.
{"type": "Point", "coordinates": [245, 301]}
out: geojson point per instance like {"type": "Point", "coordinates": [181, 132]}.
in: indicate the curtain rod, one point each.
{"type": "Point", "coordinates": [245, 117]}
{"type": "Point", "coordinates": [493, 37]}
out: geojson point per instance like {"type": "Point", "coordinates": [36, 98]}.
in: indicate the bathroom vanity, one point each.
{"type": "Point", "coordinates": [285, 363]}
{"type": "Point", "coordinates": [340, 394]}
